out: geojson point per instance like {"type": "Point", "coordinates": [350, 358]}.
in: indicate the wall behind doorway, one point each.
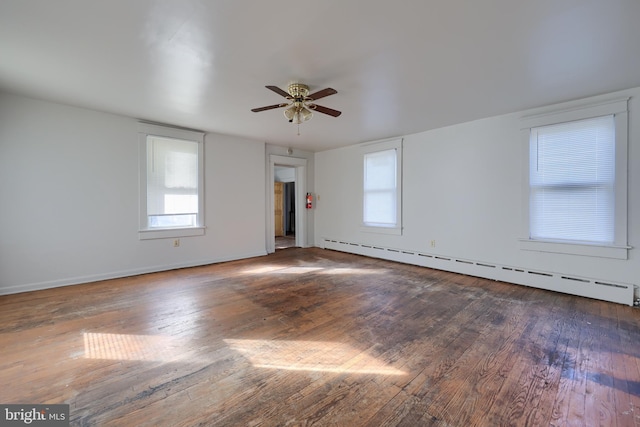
{"type": "Point", "coordinates": [289, 208]}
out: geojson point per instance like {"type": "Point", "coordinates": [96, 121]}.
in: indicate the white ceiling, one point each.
{"type": "Point", "coordinates": [399, 67]}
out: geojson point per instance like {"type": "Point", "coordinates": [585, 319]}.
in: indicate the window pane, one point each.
{"type": "Point", "coordinates": [380, 208]}
{"type": "Point", "coordinates": [181, 167]}
{"type": "Point", "coordinates": [172, 182]}
{"type": "Point", "coordinates": [380, 188]}
{"type": "Point", "coordinates": [180, 203]}
{"type": "Point", "coordinates": [572, 174]}
{"type": "Point", "coordinates": [165, 221]}
{"type": "Point", "coordinates": [380, 170]}
{"type": "Point", "coordinates": [582, 214]}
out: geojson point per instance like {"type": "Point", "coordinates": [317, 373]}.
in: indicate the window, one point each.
{"type": "Point", "coordinates": [382, 187]}
{"type": "Point", "coordinates": [577, 182]}
{"type": "Point", "coordinates": [171, 182]}
{"type": "Point", "coordinates": [571, 179]}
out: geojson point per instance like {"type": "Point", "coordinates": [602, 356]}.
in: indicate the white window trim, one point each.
{"type": "Point", "coordinates": [619, 109]}
{"type": "Point", "coordinates": [372, 147]}
{"type": "Point", "coordinates": [144, 130]}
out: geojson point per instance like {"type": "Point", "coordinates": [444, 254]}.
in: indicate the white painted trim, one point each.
{"type": "Point", "coordinates": [78, 280]}
{"type": "Point", "coordinates": [301, 207]}
{"type": "Point", "coordinates": [170, 233]}
{"type": "Point", "coordinates": [301, 191]}
{"type": "Point", "coordinates": [589, 287]}
{"type": "Point", "coordinates": [621, 171]}
{"type": "Point", "coordinates": [602, 251]}
{"type": "Point", "coordinates": [168, 131]}
{"type": "Point", "coordinates": [387, 142]}
{"type": "Point", "coordinates": [566, 113]}
{"type": "Point", "coordinates": [525, 140]}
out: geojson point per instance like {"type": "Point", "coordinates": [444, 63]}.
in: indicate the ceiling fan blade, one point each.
{"type": "Point", "coordinates": [268, 107]}
{"type": "Point", "coordinates": [325, 110]}
{"type": "Point", "coordinates": [322, 93]}
{"type": "Point", "coordinates": [279, 91]}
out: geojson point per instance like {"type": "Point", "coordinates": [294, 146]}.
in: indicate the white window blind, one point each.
{"type": "Point", "coordinates": [172, 182]}
{"type": "Point", "coordinates": [380, 188]}
{"type": "Point", "coordinates": [572, 181]}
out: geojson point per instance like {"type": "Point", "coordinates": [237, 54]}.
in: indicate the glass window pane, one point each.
{"type": "Point", "coordinates": [172, 182]}
{"type": "Point", "coordinates": [572, 181]}
{"type": "Point", "coordinates": [380, 208]}
{"type": "Point", "coordinates": [380, 172]}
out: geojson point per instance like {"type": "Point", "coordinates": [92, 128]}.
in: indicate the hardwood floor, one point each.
{"type": "Point", "coordinates": [285, 242]}
{"type": "Point", "coordinates": [313, 337]}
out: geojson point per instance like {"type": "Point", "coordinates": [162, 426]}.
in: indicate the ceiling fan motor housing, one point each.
{"type": "Point", "coordinates": [298, 91]}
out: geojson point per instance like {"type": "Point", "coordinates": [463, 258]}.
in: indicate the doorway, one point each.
{"type": "Point", "coordinates": [296, 170]}
{"type": "Point", "coordinates": [284, 204]}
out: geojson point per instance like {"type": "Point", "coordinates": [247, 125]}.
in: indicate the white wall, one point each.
{"type": "Point", "coordinates": [463, 189]}
{"type": "Point", "coordinates": [285, 174]}
{"type": "Point", "coordinates": [69, 199]}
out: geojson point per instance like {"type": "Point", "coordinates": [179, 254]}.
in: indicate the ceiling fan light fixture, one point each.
{"type": "Point", "coordinates": [290, 112]}
{"type": "Point", "coordinates": [297, 114]}
{"type": "Point", "coordinates": [305, 113]}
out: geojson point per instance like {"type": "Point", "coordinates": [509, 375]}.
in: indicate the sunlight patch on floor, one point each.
{"type": "Point", "coordinates": [263, 269]}
{"type": "Point", "coordinates": [278, 269]}
{"type": "Point", "coordinates": [346, 271]}
{"type": "Point", "coordinates": [318, 356]}
{"type": "Point", "coordinates": [299, 270]}
{"type": "Point", "coordinates": [131, 347]}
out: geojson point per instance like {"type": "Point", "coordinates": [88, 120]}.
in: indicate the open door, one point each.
{"type": "Point", "coordinates": [278, 209]}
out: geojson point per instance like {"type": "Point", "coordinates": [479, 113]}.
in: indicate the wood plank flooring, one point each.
{"type": "Point", "coordinates": [284, 242]}
{"type": "Point", "coordinates": [313, 337]}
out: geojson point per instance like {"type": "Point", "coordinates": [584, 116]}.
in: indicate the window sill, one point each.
{"type": "Point", "coordinates": [600, 251]}
{"type": "Point", "coordinates": [381, 230]}
{"type": "Point", "coordinates": [169, 233]}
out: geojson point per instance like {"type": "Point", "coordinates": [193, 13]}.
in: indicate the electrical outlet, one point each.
{"type": "Point", "coordinates": [433, 243]}
{"type": "Point", "coordinates": [176, 243]}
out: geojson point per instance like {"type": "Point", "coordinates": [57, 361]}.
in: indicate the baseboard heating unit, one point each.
{"type": "Point", "coordinates": [622, 293]}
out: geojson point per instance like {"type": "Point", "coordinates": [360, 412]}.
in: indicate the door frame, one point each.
{"type": "Point", "coordinates": [300, 166]}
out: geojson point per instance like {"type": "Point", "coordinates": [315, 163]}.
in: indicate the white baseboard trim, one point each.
{"type": "Point", "coordinates": [600, 289]}
{"type": "Point", "coordinates": [29, 287]}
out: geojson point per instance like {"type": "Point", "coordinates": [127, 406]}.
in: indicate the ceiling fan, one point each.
{"type": "Point", "coordinates": [300, 105]}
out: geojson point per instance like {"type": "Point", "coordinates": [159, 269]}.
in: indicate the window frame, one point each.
{"type": "Point", "coordinates": [374, 147]}
{"type": "Point", "coordinates": [149, 129]}
{"type": "Point", "coordinates": [618, 108]}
